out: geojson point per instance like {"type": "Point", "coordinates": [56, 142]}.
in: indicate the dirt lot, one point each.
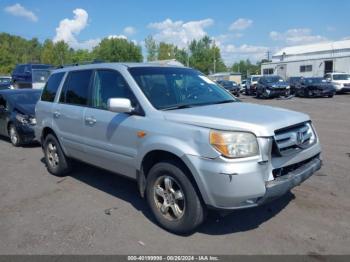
{"type": "Point", "coordinates": [95, 212]}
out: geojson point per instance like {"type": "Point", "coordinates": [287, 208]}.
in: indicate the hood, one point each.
{"type": "Point", "coordinates": [26, 109]}
{"type": "Point", "coordinates": [238, 116]}
{"type": "Point", "coordinates": [278, 84]}
{"type": "Point", "coordinates": [322, 85]}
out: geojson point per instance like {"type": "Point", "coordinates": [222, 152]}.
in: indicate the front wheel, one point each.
{"type": "Point", "coordinates": [56, 161]}
{"type": "Point", "coordinates": [173, 199]}
{"type": "Point", "coordinates": [15, 138]}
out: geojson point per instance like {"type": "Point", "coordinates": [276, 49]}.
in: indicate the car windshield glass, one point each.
{"type": "Point", "coordinates": [255, 79]}
{"type": "Point", "coordinates": [40, 75]}
{"type": "Point", "coordinates": [173, 88]}
{"type": "Point", "coordinates": [5, 80]}
{"type": "Point", "coordinates": [25, 98]}
{"type": "Point", "coordinates": [341, 77]}
{"type": "Point", "coordinates": [272, 79]}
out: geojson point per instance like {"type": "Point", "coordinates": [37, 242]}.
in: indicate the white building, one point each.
{"type": "Point", "coordinates": [310, 60]}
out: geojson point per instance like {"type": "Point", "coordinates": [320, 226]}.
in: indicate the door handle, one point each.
{"type": "Point", "coordinates": [90, 120]}
{"type": "Point", "coordinates": [56, 114]}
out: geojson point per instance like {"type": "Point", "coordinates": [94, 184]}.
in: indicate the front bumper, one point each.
{"type": "Point", "coordinates": [283, 184]}
{"type": "Point", "coordinates": [276, 92]}
{"type": "Point", "coordinates": [344, 89]}
{"type": "Point", "coordinates": [324, 92]}
{"type": "Point", "coordinates": [26, 132]}
{"type": "Point", "coordinates": [245, 183]}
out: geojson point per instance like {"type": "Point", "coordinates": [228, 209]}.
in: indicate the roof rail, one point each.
{"type": "Point", "coordinates": [95, 61]}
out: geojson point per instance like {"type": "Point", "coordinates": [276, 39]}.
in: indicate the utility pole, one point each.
{"type": "Point", "coordinates": [268, 55]}
{"type": "Point", "coordinates": [214, 58]}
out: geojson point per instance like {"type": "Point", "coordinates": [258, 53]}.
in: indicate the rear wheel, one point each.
{"type": "Point", "coordinates": [56, 161]}
{"type": "Point", "coordinates": [173, 199]}
{"type": "Point", "coordinates": [15, 138]}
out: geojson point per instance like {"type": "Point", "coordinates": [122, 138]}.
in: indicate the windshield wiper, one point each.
{"type": "Point", "coordinates": [177, 107]}
{"type": "Point", "coordinates": [224, 102]}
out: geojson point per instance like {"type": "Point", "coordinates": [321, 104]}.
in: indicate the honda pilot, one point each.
{"type": "Point", "coordinates": [187, 142]}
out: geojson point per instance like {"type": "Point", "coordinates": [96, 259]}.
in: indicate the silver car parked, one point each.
{"type": "Point", "coordinates": [188, 143]}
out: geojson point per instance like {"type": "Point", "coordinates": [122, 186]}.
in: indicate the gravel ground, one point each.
{"type": "Point", "coordinates": [95, 212]}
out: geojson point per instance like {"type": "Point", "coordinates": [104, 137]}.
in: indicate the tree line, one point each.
{"type": "Point", "coordinates": [201, 54]}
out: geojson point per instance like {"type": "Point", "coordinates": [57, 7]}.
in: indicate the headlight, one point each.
{"type": "Point", "coordinates": [288, 87]}
{"type": "Point", "coordinates": [234, 144]}
{"type": "Point", "coordinates": [22, 119]}
{"type": "Point", "coordinates": [25, 120]}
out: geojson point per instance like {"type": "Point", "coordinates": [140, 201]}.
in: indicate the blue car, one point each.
{"type": "Point", "coordinates": [30, 75]}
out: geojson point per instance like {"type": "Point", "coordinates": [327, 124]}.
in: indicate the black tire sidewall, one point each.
{"type": "Point", "coordinates": [194, 211]}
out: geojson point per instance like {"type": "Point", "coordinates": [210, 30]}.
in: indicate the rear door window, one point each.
{"type": "Point", "coordinates": [51, 87]}
{"type": "Point", "coordinates": [76, 88]}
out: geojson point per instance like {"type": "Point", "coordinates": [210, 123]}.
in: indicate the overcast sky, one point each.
{"type": "Point", "coordinates": [242, 29]}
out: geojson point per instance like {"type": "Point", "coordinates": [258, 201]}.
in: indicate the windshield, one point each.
{"type": "Point", "coordinates": [25, 98]}
{"type": "Point", "coordinates": [173, 88]}
{"type": "Point", "coordinates": [5, 80]}
{"type": "Point", "coordinates": [341, 77]}
{"type": "Point", "coordinates": [40, 75]}
{"type": "Point", "coordinates": [255, 79]}
{"type": "Point", "coordinates": [273, 79]}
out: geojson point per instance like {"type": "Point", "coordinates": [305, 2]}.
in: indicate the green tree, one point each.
{"type": "Point", "coordinates": [47, 53]}
{"type": "Point", "coordinates": [166, 51]}
{"type": "Point", "coordinates": [246, 68]}
{"type": "Point", "coordinates": [61, 53]}
{"type": "Point", "coordinates": [203, 54]}
{"type": "Point", "coordinates": [117, 50]}
{"type": "Point", "coordinates": [152, 48]}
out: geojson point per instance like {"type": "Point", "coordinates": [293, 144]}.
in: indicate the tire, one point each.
{"type": "Point", "coordinates": [15, 138]}
{"type": "Point", "coordinates": [330, 95]}
{"type": "Point", "coordinates": [258, 94]}
{"type": "Point", "coordinates": [56, 161]}
{"type": "Point", "coordinates": [167, 183]}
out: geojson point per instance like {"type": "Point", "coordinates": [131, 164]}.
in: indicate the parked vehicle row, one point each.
{"type": "Point", "coordinates": [274, 86]}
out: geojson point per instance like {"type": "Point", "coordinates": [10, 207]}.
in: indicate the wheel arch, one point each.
{"type": "Point", "coordinates": [159, 155]}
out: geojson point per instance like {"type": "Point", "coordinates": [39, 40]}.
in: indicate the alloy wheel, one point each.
{"type": "Point", "coordinates": [52, 155]}
{"type": "Point", "coordinates": [13, 135]}
{"type": "Point", "coordinates": [169, 198]}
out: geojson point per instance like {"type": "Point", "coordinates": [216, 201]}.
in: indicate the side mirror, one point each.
{"type": "Point", "coordinates": [119, 105]}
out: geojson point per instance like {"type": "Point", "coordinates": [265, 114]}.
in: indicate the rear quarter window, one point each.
{"type": "Point", "coordinates": [51, 87]}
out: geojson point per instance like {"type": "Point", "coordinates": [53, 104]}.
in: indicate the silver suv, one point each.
{"type": "Point", "coordinates": [188, 143]}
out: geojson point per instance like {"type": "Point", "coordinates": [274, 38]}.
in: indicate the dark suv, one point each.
{"type": "Point", "coordinates": [30, 75]}
{"type": "Point", "coordinates": [272, 86]}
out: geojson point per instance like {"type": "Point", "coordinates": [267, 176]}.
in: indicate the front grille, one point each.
{"type": "Point", "coordinates": [293, 139]}
{"type": "Point", "coordinates": [282, 171]}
